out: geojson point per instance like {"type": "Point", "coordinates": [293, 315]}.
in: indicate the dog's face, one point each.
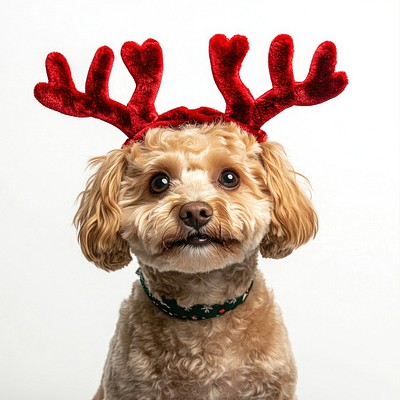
{"type": "Point", "coordinates": [193, 200]}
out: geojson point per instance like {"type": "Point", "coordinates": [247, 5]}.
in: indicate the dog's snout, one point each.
{"type": "Point", "coordinates": [196, 214]}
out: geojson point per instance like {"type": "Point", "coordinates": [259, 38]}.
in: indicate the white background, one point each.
{"type": "Point", "coordinates": [340, 294]}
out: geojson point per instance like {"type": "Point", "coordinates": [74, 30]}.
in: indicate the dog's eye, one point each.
{"type": "Point", "coordinates": [159, 184]}
{"type": "Point", "coordinates": [229, 180]}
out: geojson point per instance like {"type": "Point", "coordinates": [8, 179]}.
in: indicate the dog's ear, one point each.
{"type": "Point", "coordinates": [98, 215]}
{"type": "Point", "coordinates": [293, 219]}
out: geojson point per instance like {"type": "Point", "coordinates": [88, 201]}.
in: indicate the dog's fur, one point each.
{"type": "Point", "coordinates": [244, 354]}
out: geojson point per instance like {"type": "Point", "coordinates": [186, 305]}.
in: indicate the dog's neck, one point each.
{"type": "Point", "coordinates": [213, 287]}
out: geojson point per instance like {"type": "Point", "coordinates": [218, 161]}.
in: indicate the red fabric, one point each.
{"type": "Point", "coordinates": [322, 82]}
{"type": "Point", "coordinates": [203, 115]}
{"type": "Point", "coordinates": [145, 64]}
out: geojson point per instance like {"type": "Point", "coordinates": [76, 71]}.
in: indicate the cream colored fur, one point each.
{"type": "Point", "coordinates": [244, 354]}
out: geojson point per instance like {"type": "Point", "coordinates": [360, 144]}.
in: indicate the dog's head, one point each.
{"type": "Point", "coordinates": [193, 199]}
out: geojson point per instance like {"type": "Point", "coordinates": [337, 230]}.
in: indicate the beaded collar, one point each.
{"type": "Point", "coordinates": [197, 311]}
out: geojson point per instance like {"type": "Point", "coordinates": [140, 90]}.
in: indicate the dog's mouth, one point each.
{"type": "Point", "coordinates": [197, 239]}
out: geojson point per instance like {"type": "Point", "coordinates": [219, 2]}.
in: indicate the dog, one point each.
{"type": "Point", "coordinates": [195, 205]}
{"type": "Point", "coordinates": [195, 195]}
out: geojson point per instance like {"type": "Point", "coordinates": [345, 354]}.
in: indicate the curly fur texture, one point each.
{"type": "Point", "coordinates": [244, 354]}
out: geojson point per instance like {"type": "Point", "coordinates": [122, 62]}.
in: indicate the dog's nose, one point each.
{"type": "Point", "coordinates": [196, 214]}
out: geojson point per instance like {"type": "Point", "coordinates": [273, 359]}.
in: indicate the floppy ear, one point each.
{"type": "Point", "coordinates": [293, 219]}
{"type": "Point", "coordinates": [98, 215]}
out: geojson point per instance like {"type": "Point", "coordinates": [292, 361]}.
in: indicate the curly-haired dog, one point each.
{"type": "Point", "coordinates": [195, 205]}
{"type": "Point", "coordinates": [195, 194]}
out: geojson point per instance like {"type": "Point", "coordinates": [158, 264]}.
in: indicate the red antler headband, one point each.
{"type": "Point", "coordinates": [145, 64]}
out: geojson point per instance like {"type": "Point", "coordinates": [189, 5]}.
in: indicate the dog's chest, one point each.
{"type": "Point", "coordinates": [155, 356]}
{"type": "Point", "coordinates": [196, 365]}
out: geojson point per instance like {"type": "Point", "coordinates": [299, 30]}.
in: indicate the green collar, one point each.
{"type": "Point", "coordinates": [197, 311]}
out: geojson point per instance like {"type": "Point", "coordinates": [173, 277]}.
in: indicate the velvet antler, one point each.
{"type": "Point", "coordinates": [144, 64]}
{"type": "Point", "coordinates": [321, 84]}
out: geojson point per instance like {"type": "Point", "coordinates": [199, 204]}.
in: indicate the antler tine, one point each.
{"type": "Point", "coordinates": [99, 73]}
{"type": "Point", "coordinates": [226, 56]}
{"type": "Point", "coordinates": [281, 95]}
{"type": "Point", "coordinates": [51, 95]}
{"type": "Point", "coordinates": [145, 64]}
{"type": "Point", "coordinates": [58, 70]}
{"type": "Point", "coordinates": [322, 82]}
